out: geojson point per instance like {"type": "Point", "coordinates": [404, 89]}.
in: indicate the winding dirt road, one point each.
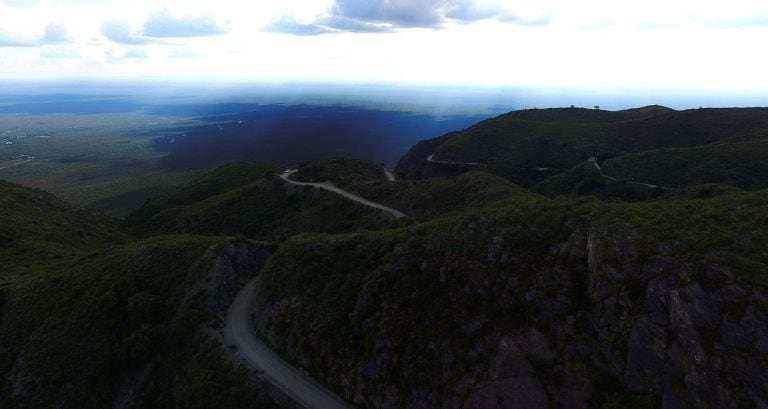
{"type": "Point", "coordinates": [430, 158]}
{"type": "Point", "coordinates": [599, 169]}
{"type": "Point", "coordinates": [299, 387]}
{"type": "Point", "coordinates": [286, 176]}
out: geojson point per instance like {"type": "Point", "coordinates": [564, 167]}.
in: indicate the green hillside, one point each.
{"type": "Point", "coordinates": [37, 227]}
{"type": "Point", "coordinates": [739, 164]}
{"type": "Point", "coordinates": [342, 172]}
{"type": "Point", "coordinates": [426, 199]}
{"type": "Point", "coordinates": [533, 145]}
{"type": "Point", "coordinates": [251, 199]}
{"type": "Point", "coordinates": [565, 283]}
{"type": "Point", "coordinates": [88, 312]}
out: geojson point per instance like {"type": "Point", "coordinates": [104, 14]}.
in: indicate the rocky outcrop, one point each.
{"type": "Point", "coordinates": [686, 324]}
{"type": "Point", "coordinates": [479, 318]}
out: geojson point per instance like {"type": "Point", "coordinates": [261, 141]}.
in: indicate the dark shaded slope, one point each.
{"type": "Point", "coordinates": [91, 319]}
{"type": "Point", "coordinates": [126, 324]}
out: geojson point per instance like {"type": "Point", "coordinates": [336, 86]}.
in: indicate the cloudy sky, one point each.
{"type": "Point", "coordinates": [662, 44]}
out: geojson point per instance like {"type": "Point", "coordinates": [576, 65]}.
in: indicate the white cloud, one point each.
{"type": "Point", "coordinates": [122, 32]}
{"type": "Point", "coordinates": [596, 43]}
{"type": "Point", "coordinates": [61, 52]}
{"type": "Point", "coordinates": [370, 16]}
{"type": "Point", "coordinates": [286, 24]}
{"type": "Point", "coordinates": [162, 24]}
{"type": "Point", "coordinates": [55, 34]}
{"type": "Point", "coordinates": [52, 34]}
{"type": "Point", "coordinates": [24, 4]}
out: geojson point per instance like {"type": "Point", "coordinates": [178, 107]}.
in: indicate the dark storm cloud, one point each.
{"type": "Point", "coordinates": [162, 24]}
{"type": "Point", "coordinates": [371, 16]}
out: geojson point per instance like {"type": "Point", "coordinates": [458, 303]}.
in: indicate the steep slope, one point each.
{"type": "Point", "coordinates": [123, 319]}
{"type": "Point", "coordinates": [530, 145]}
{"type": "Point", "coordinates": [91, 319]}
{"type": "Point", "coordinates": [537, 303]}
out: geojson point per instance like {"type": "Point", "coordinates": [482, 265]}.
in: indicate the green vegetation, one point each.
{"type": "Point", "coordinates": [73, 327]}
{"type": "Point", "coordinates": [652, 145]}
{"type": "Point", "coordinates": [251, 199]}
{"type": "Point", "coordinates": [335, 302]}
{"type": "Point", "coordinates": [342, 172]}
{"type": "Point", "coordinates": [35, 226]}
{"type": "Point", "coordinates": [425, 199]}
{"type": "Point", "coordinates": [84, 307]}
{"type": "Point", "coordinates": [101, 161]}
{"type": "Point", "coordinates": [739, 164]}
{"type": "Point", "coordinates": [91, 305]}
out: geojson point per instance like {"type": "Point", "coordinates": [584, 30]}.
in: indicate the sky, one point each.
{"type": "Point", "coordinates": [598, 44]}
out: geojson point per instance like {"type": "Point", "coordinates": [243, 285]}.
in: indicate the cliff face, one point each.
{"type": "Point", "coordinates": [691, 334]}
{"type": "Point", "coordinates": [481, 313]}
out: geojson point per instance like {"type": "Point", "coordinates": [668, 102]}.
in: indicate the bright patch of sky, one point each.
{"type": "Point", "coordinates": [682, 44]}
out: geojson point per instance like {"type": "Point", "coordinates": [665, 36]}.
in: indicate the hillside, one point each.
{"type": "Point", "coordinates": [342, 172]}
{"type": "Point", "coordinates": [538, 304]}
{"type": "Point", "coordinates": [36, 226]}
{"type": "Point", "coordinates": [531, 146]}
{"type": "Point", "coordinates": [429, 198]}
{"type": "Point", "coordinates": [251, 200]}
{"type": "Point", "coordinates": [740, 164]}
{"type": "Point", "coordinates": [91, 318]}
